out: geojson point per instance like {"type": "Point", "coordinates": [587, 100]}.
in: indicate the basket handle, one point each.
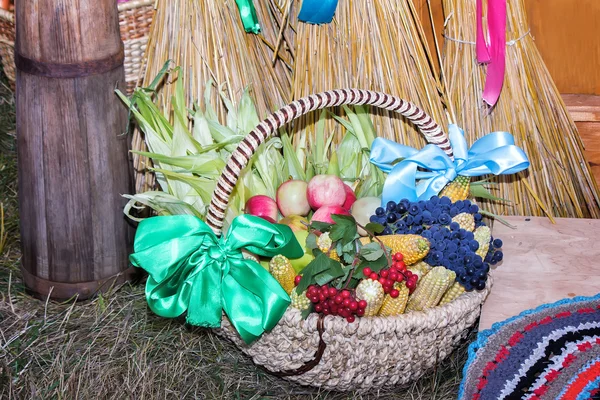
{"type": "Point", "coordinates": [246, 148]}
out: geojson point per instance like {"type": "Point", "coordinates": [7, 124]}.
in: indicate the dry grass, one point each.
{"type": "Point", "coordinates": [113, 348]}
{"type": "Point", "coordinates": [207, 40]}
{"type": "Point", "coordinates": [530, 107]}
{"type": "Point", "coordinates": [376, 45]}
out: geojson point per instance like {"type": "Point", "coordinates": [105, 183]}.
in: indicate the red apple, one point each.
{"type": "Point", "coordinates": [262, 206]}
{"type": "Point", "coordinates": [350, 198]}
{"type": "Point", "coordinates": [325, 190]}
{"type": "Point", "coordinates": [291, 198]}
{"type": "Point", "coordinates": [323, 214]}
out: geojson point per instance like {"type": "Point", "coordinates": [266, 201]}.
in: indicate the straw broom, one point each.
{"type": "Point", "coordinates": [530, 107]}
{"type": "Point", "coordinates": [207, 40]}
{"type": "Point", "coordinates": [377, 45]}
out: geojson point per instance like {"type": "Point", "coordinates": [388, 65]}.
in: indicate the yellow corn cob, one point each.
{"type": "Point", "coordinates": [430, 290]}
{"type": "Point", "coordinates": [299, 301]}
{"type": "Point", "coordinates": [282, 270]}
{"type": "Point", "coordinates": [483, 235]}
{"type": "Point", "coordinates": [466, 221]}
{"type": "Point", "coordinates": [453, 293]}
{"type": "Point", "coordinates": [324, 243]}
{"type": "Point", "coordinates": [420, 269]}
{"type": "Point", "coordinates": [395, 306]}
{"type": "Point", "coordinates": [458, 189]}
{"type": "Point", "coordinates": [414, 248]}
{"type": "Point", "coordinates": [372, 292]}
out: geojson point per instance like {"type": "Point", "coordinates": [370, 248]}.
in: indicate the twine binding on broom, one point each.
{"type": "Point", "coordinates": [509, 43]}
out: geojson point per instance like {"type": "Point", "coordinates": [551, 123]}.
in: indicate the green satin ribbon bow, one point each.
{"type": "Point", "coordinates": [248, 16]}
{"type": "Point", "coordinates": [192, 270]}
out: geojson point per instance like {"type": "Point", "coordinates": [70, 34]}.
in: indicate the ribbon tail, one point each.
{"type": "Point", "coordinates": [481, 47]}
{"type": "Point", "coordinates": [248, 16]}
{"type": "Point", "coordinates": [317, 11]}
{"type": "Point", "coordinates": [496, 68]}
{"type": "Point", "coordinates": [204, 306]}
{"type": "Point", "coordinates": [253, 300]}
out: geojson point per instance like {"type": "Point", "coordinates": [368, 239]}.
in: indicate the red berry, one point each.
{"type": "Point", "coordinates": [297, 280]}
{"type": "Point", "coordinates": [384, 273]}
{"type": "Point", "coordinates": [367, 271]}
{"type": "Point", "coordinates": [345, 294]}
{"type": "Point", "coordinates": [350, 318]}
{"type": "Point", "coordinates": [322, 297]}
{"type": "Point", "coordinates": [338, 299]}
{"type": "Point", "coordinates": [353, 305]}
{"type": "Point", "coordinates": [332, 292]}
{"type": "Point", "coordinates": [394, 293]}
{"type": "Point", "coordinates": [326, 311]}
{"type": "Point", "coordinates": [398, 257]}
{"type": "Point", "coordinates": [374, 276]}
{"type": "Point", "coordinates": [393, 276]}
{"type": "Point", "coordinates": [411, 284]}
{"type": "Point", "coordinates": [334, 309]}
{"type": "Point", "coordinates": [408, 274]}
{"type": "Point", "coordinates": [315, 299]}
{"type": "Point", "coordinates": [344, 312]}
{"type": "Point", "coordinates": [346, 302]}
{"type": "Point", "coordinates": [401, 266]}
{"type": "Point", "coordinates": [360, 312]}
{"type": "Point", "coordinates": [318, 307]}
{"type": "Point", "coordinates": [362, 304]}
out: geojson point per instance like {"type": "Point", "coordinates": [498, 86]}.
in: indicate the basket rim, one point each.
{"type": "Point", "coordinates": [10, 15]}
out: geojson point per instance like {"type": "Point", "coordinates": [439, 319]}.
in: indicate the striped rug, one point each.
{"type": "Point", "coordinates": [550, 352]}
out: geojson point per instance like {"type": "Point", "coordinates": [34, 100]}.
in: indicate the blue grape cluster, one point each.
{"type": "Point", "coordinates": [451, 246]}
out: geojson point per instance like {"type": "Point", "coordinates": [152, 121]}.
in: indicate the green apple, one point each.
{"type": "Point", "coordinates": [300, 263]}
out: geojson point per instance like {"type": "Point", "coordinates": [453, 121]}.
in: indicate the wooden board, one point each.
{"type": "Point", "coordinates": [585, 111]}
{"type": "Point", "coordinates": [543, 263]}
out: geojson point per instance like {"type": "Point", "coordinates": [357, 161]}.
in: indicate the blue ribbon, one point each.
{"type": "Point", "coordinates": [317, 11]}
{"type": "Point", "coordinates": [494, 153]}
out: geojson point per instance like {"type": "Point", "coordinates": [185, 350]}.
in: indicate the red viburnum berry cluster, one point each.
{"type": "Point", "coordinates": [397, 272]}
{"type": "Point", "coordinates": [330, 301]}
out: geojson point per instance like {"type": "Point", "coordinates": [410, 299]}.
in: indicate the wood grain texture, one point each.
{"type": "Point", "coordinates": [542, 263]}
{"type": "Point", "coordinates": [585, 111]}
{"type": "Point", "coordinates": [72, 158]}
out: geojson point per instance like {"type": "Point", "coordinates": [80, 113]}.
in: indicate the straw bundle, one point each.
{"type": "Point", "coordinates": [529, 107]}
{"type": "Point", "coordinates": [207, 40]}
{"type": "Point", "coordinates": [376, 45]}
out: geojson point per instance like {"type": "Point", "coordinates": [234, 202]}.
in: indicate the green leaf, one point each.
{"type": "Point", "coordinates": [296, 170]}
{"type": "Point", "coordinates": [320, 226]}
{"type": "Point", "coordinates": [201, 164]}
{"type": "Point", "coordinates": [320, 264]}
{"type": "Point", "coordinates": [311, 241]}
{"type": "Point", "coordinates": [334, 270]}
{"type": "Point", "coordinates": [494, 216]}
{"type": "Point", "coordinates": [374, 227]}
{"type": "Point", "coordinates": [344, 228]}
{"type": "Point", "coordinates": [247, 117]}
{"type": "Point", "coordinates": [482, 192]}
{"type": "Point", "coordinates": [159, 77]}
{"type": "Point", "coordinates": [371, 251]}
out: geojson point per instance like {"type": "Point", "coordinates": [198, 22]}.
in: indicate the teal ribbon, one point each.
{"type": "Point", "coordinates": [248, 16]}
{"type": "Point", "coordinates": [494, 153]}
{"type": "Point", "coordinates": [192, 270]}
{"type": "Point", "coordinates": [317, 11]}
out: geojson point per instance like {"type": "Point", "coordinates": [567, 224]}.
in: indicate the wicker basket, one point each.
{"type": "Point", "coordinates": [135, 18]}
{"type": "Point", "coordinates": [327, 351]}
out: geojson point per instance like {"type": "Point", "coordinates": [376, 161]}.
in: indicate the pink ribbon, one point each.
{"type": "Point", "coordinates": [493, 53]}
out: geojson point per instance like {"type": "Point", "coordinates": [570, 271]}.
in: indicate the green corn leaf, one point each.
{"type": "Point", "coordinates": [357, 127]}
{"type": "Point", "coordinates": [203, 186]}
{"type": "Point", "coordinates": [247, 117]}
{"type": "Point", "coordinates": [209, 111]}
{"type": "Point", "coordinates": [201, 164]}
{"type": "Point", "coordinates": [482, 192]}
{"type": "Point", "coordinates": [366, 123]}
{"type": "Point", "coordinates": [161, 202]}
{"type": "Point", "coordinates": [295, 169]}
{"type": "Point", "coordinates": [334, 167]}
{"type": "Point", "coordinates": [201, 130]}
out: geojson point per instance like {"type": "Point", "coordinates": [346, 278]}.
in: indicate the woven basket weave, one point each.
{"type": "Point", "coordinates": [135, 18]}
{"type": "Point", "coordinates": [328, 351]}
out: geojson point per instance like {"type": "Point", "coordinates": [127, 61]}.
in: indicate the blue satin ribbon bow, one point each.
{"type": "Point", "coordinates": [495, 153]}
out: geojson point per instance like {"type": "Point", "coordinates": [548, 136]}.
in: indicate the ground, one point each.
{"type": "Point", "coordinates": [113, 348]}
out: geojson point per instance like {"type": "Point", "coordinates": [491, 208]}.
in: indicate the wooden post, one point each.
{"type": "Point", "coordinates": [72, 150]}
